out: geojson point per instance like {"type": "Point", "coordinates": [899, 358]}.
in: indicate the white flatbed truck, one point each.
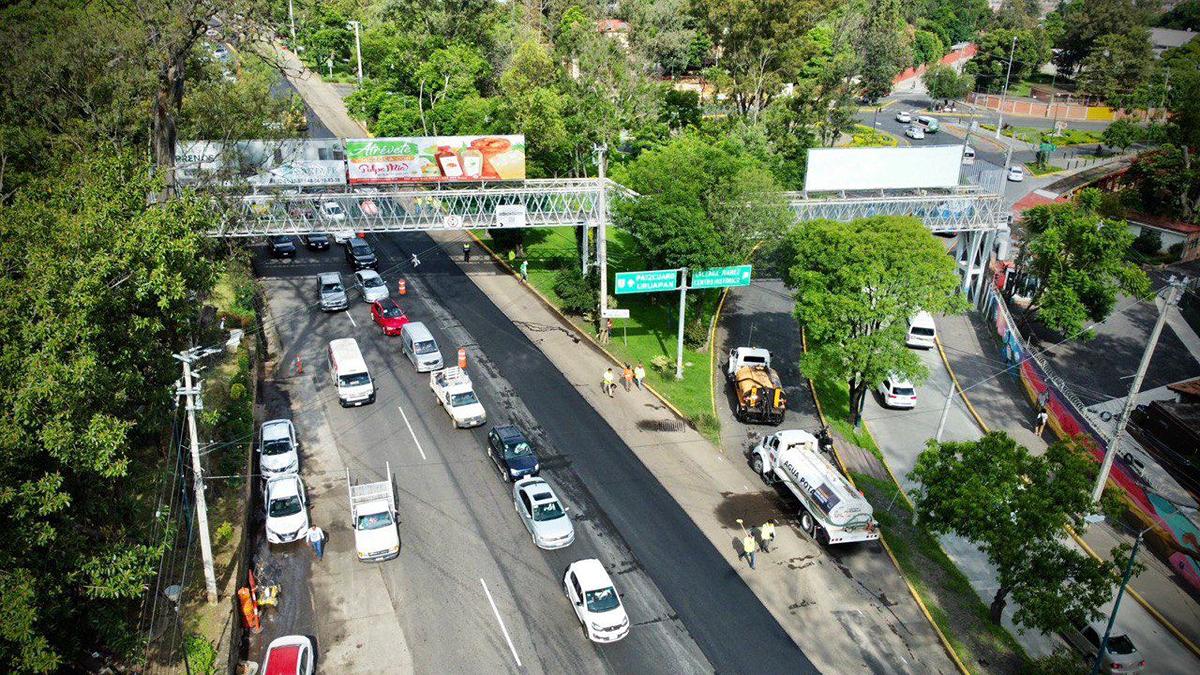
{"type": "Point", "coordinates": [456, 394]}
{"type": "Point", "coordinates": [373, 518]}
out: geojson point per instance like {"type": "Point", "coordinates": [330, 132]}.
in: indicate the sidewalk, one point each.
{"type": "Point", "coordinates": [1001, 403]}
{"type": "Point", "coordinates": [323, 98]}
{"type": "Point", "coordinates": [841, 625]}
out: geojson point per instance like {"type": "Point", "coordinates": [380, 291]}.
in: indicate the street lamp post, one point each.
{"type": "Point", "coordinates": [1112, 616]}
{"type": "Point", "coordinates": [357, 48]}
{"type": "Point", "coordinates": [292, 22]}
{"type": "Point", "coordinates": [1000, 123]}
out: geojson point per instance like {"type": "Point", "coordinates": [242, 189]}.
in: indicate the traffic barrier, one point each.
{"type": "Point", "coordinates": [249, 610]}
{"type": "Point", "coordinates": [462, 357]}
{"type": "Point", "coordinates": [402, 287]}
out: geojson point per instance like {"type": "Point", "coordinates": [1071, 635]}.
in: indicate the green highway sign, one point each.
{"type": "Point", "coordinates": [649, 281]}
{"type": "Point", "coordinates": [720, 277]}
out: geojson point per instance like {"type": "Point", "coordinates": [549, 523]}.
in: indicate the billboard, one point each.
{"type": "Point", "coordinates": [835, 169]}
{"type": "Point", "coordinates": [435, 159]}
{"type": "Point", "coordinates": [285, 162]}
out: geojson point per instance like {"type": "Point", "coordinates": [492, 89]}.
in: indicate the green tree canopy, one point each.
{"type": "Point", "coordinates": [1086, 21]}
{"type": "Point", "coordinates": [990, 65]}
{"type": "Point", "coordinates": [884, 47]}
{"type": "Point", "coordinates": [943, 82]}
{"type": "Point", "coordinates": [1080, 261]}
{"type": "Point", "coordinates": [1167, 182]}
{"type": "Point", "coordinates": [1118, 64]}
{"type": "Point", "coordinates": [1122, 133]}
{"type": "Point", "coordinates": [1014, 506]}
{"type": "Point", "coordinates": [856, 286]}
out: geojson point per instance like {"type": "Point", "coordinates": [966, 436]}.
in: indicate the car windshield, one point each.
{"type": "Point", "coordinates": [276, 446]}
{"type": "Point", "coordinates": [1120, 644]}
{"type": "Point", "coordinates": [425, 347]}
{"type": "Point", "coordinates": [602, 600]}
{"type": "Point", "coordinates": [904, 391]}
{"type": "Point", "coordinates": [374, 521]}
{"type": "Point", "coordinates": [318, 238]}
{"type": "Point", "coordinates": [547, 511]}
{"type": "Point", "coordinates": [521, 449]}
{"type": "Point", "coordinates": [372, 281]}
{"type": "Point", "coordinates": [360, 247]}
{"type": "Point", "coordinates": [285, 506]}
{"type": "Point", "coordinates": [331, 288]}
{"type": "Point", "coordinates": [282, 241]}
{"type": "Point", "coordinates": [917, 330]}
{"type": "Point", "coordinates": [465, 398]}
{"type": "Point", "coordinates": [354, 379]}
{"type": "Point", "coordinates": [392, 312]}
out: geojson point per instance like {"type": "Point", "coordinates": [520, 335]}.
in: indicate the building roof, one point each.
{"type": "Point", "coordinates": [612, 26]}
{"type": "Point", "coordinates": [1163, 223]}
{"type": "Point", "coordinates": [1188, 388]}
{"type": "Point", "coordinates": [1169, 38]}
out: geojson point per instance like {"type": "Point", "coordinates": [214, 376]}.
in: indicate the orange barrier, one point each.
{"type": "Point", "coordinates": [249, 610]}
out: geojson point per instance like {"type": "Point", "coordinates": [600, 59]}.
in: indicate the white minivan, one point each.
{"type": "Point", "coordinates": [921, 331]}
{"type": "Point", "coordinates": [349, 372]}
{"type": "Point", "coordinates": [418, 345]}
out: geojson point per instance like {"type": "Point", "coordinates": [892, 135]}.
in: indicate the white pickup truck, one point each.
{"type": "Point", "coordinates": [833, 512]}
{"type": "Point", "coordinates": [452, 387]}
{"type": "Point", "coordinates": [373, 517]}
{"type": "Point", "coordinates": [740, 357]}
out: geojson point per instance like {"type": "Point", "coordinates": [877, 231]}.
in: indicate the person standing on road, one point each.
{"type": "Point", "coordinates": [467, 252]}
{"type": "Point", "coordinates": [416, 262]}
{"type": "Point", "coordinates": [316, 539]}
{"type": "Point", "coordinates": [610, 382]}
{"type": "Point", "coordinates": [766, 535]}
{"type": "Point", "coordinates": [525, 271]}
{"type": "Point", "coordinates": [1040, 424]}
{"type": "Point", "coordinates": [749, 546]}
{"type": "Point", "coordinates": [639, 374]}
{"type": "Point", "coordinates": [627, 377]}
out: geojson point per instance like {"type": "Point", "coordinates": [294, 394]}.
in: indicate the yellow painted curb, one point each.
{"type": "Point", "coordinates": [562, 317]}
{"type": "Point", "coordinates": [1164, 621]}
{"type": "Point", "coordinates": [912, 590]}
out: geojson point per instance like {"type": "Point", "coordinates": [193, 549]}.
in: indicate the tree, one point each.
{"type": "Point", "coordinates": [1086, 21]}
{"type": "Point", "coordinates": [1167, 182]}
{"type": "Point", "coordinates": [1122, 133]}
{"type": "Point", "coordinates": [1080, 262]}
{"type": "Point", "coordinates": [856, 285]}
{"type": "Point", "coordinates": [927, 48]}
{"type": "Point", "coordinates": [943, 82]}
{"type": "Point", "coordinates": [1018, 15]}
{"type": "Point", "coordinates": [704, 203]}
{"type": "Point", "coordinates": [662, 33]}
{"type": "Point", "coordinates": [1014, 506]}
{"type": "Point", "coordinates": [1184, 16]}
{"type": "Point", "coordinates": [883, 48]}
{"type": "Point", "coordinates": [990, 65]}
{"type": "Point", "coordinates": [533, 103]}
{"type": "Point", "coordinates": [1117, 65]}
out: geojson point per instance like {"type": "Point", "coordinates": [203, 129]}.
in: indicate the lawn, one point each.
{"type": "Point", "coordinates": [946, 592]}
{"type": "Point", "coordinates": [1035, 135]}
{"type": "Point", "coordinates": [866, 137]}
{"type": "Point", "coordinates": [1042, 169]}
{"type": "Point", "coordinates": [649, 332]}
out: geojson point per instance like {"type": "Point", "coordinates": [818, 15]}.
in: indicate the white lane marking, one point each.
{"type": "Point", "coordinates": [351, 317]}
{"type": "Point", "coordinates": [501, 622]}
{"type": "Point", "coordinates": [411, 432]}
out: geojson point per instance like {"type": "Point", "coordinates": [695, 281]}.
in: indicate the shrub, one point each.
{"type": "Point", "coordinates": [201, 655]}
{"type": "Point", "coordinates": [663, 365]}
{"type": "Point", "coordinates": [695, 333]}
{"type": "Point", "coordinates": [1149, 242]}
{"type": "Point", "coordinates": [224, 532]}
{"type": "Point", "coordinates": [706, 424]}
{"type": "Point", "coordinates": [579, 295]}
{"type": "Point", "coordinates": [1175, 250]}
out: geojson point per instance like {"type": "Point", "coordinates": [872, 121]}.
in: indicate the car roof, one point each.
{"type": "Point", "coordinates": [273, 429]}
{"type": "Point", "coordinates": [326, 277]}
{"type": "Point", "coordinates": [591, 574]}
{"type": "Point", "coordinates": [284, 486]}
{"type": "Point", "coordinates": [538, 486]}
{"type": "Point", "coordinates": [509, 433]}
{"type": "Point", "coordinates": [284, 660]}
{"type": "Point", "coordinates": [367, 273]}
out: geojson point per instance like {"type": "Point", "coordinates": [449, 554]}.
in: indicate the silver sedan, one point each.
{"type": "Point", "coordinates": [543, 515]}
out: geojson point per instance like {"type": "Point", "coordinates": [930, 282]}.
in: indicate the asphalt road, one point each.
{"type": "Point", "coordinates": [690, 611]}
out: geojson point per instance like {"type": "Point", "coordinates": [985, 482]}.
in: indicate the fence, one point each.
{"type": "Point", "coordinates": [1068, 418]}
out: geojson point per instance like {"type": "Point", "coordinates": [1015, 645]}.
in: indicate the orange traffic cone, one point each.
{"type": "Point", "coordinates": [462, 357]}
{"type": "Point", "coordinates": [402, 287]}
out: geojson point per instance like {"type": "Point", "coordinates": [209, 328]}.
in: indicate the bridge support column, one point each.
{"type": "Point", "coordinates": [985, 257]}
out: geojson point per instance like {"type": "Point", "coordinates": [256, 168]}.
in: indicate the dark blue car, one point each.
{"type": "Point", "coordinates": [512, 452]}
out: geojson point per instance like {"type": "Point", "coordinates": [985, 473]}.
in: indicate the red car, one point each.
{"type": "Point", "coordinates": [289, 655]}
{"type": "Point", "coordinates": [389, 316]}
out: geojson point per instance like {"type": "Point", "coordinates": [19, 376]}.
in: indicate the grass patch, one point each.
{"type": "Point", "coordinates": [953, 604]}
{"type": "Point", "coordinates": [834, 396]}
{"type": "Point", "coordinates": [1035, 135]}
{"type": "Point", "coordinates": [864, 136]}
{"type": "Point", "coordinates": [651, 330]}
{"type": "Point", "coordinates": [1042, 169]}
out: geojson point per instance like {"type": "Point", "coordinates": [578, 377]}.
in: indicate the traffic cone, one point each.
{"type": "Point", "coordinates": [462, 357]}
{"type": "Point", "coordinates": [402, 287]}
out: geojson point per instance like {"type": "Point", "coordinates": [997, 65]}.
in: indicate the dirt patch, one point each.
{"type": "Point", "coordinates": [660, 425]}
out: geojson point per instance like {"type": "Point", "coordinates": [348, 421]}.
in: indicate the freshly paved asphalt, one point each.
{"type": "Point", "coordinates": [689, 609]}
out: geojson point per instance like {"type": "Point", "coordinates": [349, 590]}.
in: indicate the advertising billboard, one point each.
{"type": "Point", "coordinates": [835, 169]}
{"type": "Point", "coordinates": [435, 159]}
{"type": "Point", "coordinates": [285, 162]}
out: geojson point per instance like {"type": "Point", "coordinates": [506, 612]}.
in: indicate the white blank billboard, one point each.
{"type": "Point", "coordinates": [832, 169]}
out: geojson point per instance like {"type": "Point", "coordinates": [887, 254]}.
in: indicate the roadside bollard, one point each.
{"type": "Point", "coordinates": [249, 610]}
{"type": "Point", "coordinates": [402, 287]}
{"type": "Point", "coordinates": [462, 357]}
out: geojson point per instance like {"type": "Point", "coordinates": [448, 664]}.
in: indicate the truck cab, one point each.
{"type": "Point", "coordinates": [373, 518]}
{"type": "Point", "coordinates": [740, 357]}
{"type": "Point", "coordinates": [455, 392]}
{"type": "Point", "coordinates": [832, 511]}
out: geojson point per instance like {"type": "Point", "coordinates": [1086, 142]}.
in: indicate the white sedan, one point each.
{"type": "Point", "coordinates": [595, 599]}
{"type": "Point", "coordinates": [372, 285]}
{"type": "Point", "coordinates": [904, 117]}
{"type": "Point", "coordinates": [287, 509]}
{"type": "Point", "coordinates": [1016, 174]}
{"type": "Point", "coordinates": [915, 133]}
{"type": "Point", "coordinates": [332, 210]}
{"type": "Point", "coordinates": [543, 515]}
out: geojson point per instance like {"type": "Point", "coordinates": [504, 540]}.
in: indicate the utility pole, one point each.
{"type": "Point", "coordinates": [1112, 616]}
{"type": "Point", "coordinates": [292, 22]}
{"type": "Point", "coordinates": [357, 48]}
{"type": "Point", "coordinates": [189, 394]}
{"type": "Point", "coordinates": [683, 285]}
{"type": "Point", "coordinates": [945, 414]}
{"type": "Point", "coordinates": [1131, 400]}
{"type": "Point", "coordinates": [602, 237]}
{"type": "Point", "coordinates": [1012, 50]}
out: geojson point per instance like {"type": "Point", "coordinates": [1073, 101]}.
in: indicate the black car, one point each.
{"type": "Point", "coordinates": [360, 256]}
{"type": "Point", "coordinates": [512, 452]}
{"type": "Point", "coordinates": [281, 247]}
{"type": "Point", "coordinates": [315, 242]}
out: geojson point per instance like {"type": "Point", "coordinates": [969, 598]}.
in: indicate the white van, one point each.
{"type": "Point", "coordinates": [420, 347]}
{"type": "Point", "coordinates": [968, 156]}
{"type": "Point", "coordinates": [349, 372]}
{"type": "Point", "coordinates": [921, 331]}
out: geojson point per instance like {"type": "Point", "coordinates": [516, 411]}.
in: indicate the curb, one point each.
{"type": "Point", "coordinates": [912, 590]}
{"type": "Point", "coordinates": [712, 359]}
{"type": "Point", "coordinates": [1162, 620]}
{"type": "Point", "coordinates": [575, 329]}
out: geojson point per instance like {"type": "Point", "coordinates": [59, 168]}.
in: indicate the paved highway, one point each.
{"type": "Point", "coordinates": [690, 611]}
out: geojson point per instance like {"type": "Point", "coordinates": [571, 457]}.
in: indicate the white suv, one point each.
{"type": "Point", "coordinates": [595, 600]}
{"type": "Point", "coordinates": [287, 509]}
{"type": "Point", "coordinates": [897, 392]}
{"type": "Point", "coordinates": [277, 449]}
